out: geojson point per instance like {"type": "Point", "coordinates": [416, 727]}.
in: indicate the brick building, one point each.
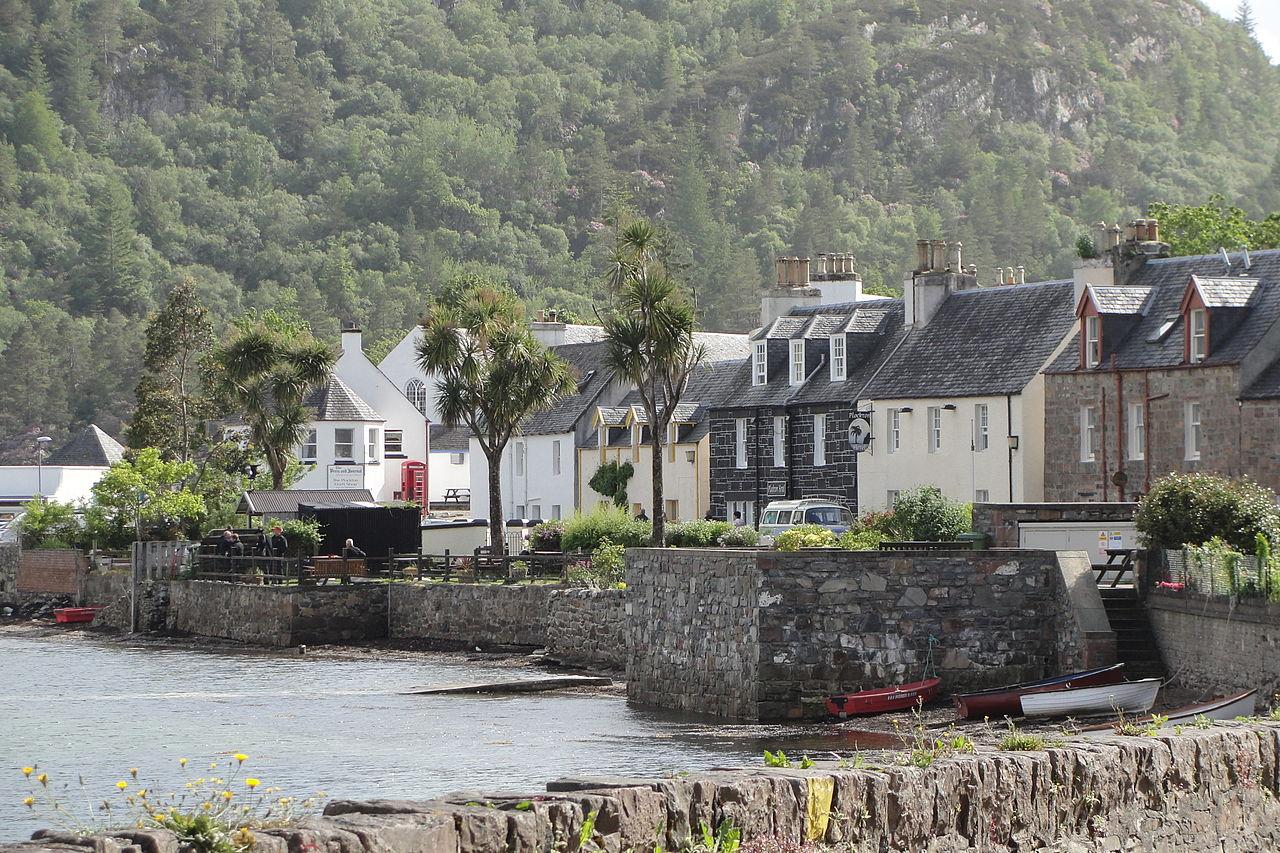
{"type": "Point", "coordinates": [1175, 367]}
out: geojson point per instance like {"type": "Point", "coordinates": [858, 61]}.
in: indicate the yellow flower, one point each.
{"type": "Point", "coordinates": [133, 771]}
{"type": "Point", "coordinates": [240, 757]}
{"type": "Point", "coordinates": [143, 793]}
{"type": "Point", "coordinates": [43, 779]}
{"type": "Point", "coordinates": [206, 806]}
{"type": "Point", "coordinates": [27, 771]}
{"type": "Point", "coordinates": [29, 802]}
{"type": "Point", "coordinates": [252, 783]}
{"type": "Point", "coordinates": [182, 762]}
{"type": "Point", "coordinates": [226, 795]}
{"type": "Point", "coordinates": [122, 784]}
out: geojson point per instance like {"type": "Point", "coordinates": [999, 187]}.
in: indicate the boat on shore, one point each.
{"type": "Point", "coordinates": [1222, 708]}
{"type": "Point", "coordinates": [1127, 697]}
{"type": "Point", "coordinates": [882, 699]}
{"type": "Point", "coordinates": [1003, 701]}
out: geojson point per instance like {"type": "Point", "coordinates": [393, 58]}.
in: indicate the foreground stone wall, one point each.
{"type": "Point", "coordinates": [1217, 646]}
{"type": "Point", "coordinates": [768, 635]}
{"type": "Point", "coordinates": [278, 616]}
{"type": "Point", "coordinates": [1214, 789]}
{"type": "Point", "coordinates": [9, 554]}
{"type": "Point", "coordinates": [588, 627]}
{"type": "Point", "coordinates": [1000, 521]}
{"type": "Point", "coordinates": [468, 615]}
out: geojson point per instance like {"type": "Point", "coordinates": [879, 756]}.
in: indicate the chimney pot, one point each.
{"type": "Point", "coordinates": [780, 267]}
{"type": "Point", "coordinates": [1022, 275]}
{"type": "Point", "coordinates": [922, 255]}
{"type": "Point", "coordinates": [1153, 230]}
{"type": "Point", "coordinates": [1131, 231]}
{"type": "Point", "coordinates": [938, 255]}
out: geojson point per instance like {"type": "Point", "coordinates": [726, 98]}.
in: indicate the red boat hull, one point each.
{"type": "Point", "coordinates": [1005, 703]}
{"type": "Point", "coordinates": [884, 699]}
{"type": "Point", "coordinates": [64, 615]}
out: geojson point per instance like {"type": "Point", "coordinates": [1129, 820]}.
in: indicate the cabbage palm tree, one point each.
{"type": "Point", "coordinates": [650, 336]}
{"type": "Point", "coordinates": [265, 371]}
{"type": "Point", "coordinates": [492, 373]}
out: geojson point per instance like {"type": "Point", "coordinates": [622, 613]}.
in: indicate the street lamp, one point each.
{"type": "Point", "coordinates": [41, 443]}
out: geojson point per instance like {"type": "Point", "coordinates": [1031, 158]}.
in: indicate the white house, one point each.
{"type": "Point", "coordinates": [68, 475]}
{"type": "Point", "coordinates": [404, 427]}
{"type": "Point", "coordinates": [960, 403]}
{"type": "Point", "coordinates": [343, 447]}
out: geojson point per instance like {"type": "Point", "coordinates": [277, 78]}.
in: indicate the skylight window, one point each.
{"type": "Point", "coordinates": [1166, 326]}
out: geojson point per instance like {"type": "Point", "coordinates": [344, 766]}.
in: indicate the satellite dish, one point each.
{"type": "Point", "coordinates": [860, 432]}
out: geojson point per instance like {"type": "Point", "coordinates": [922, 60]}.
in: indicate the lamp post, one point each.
{"type": "Point", "coordinates": [41, 443]}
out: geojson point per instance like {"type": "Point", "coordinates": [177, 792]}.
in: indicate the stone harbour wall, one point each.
{"type": "Point", "coordinates": [468, 615]}
{"type": "Point", "coordinates": [588, 627]}
{"type": "Point", "coordinates": [768, 635]}
{"type": "Point", "coordinates": [277, 616]}
{"type": "Point", "coordinates": [1218, 646]}
{"type": "Point", "coordinates": [1197, 790]}
{"type": "Point", "coordinates": [9, 555]}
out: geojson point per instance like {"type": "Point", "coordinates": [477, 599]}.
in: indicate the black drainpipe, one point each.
{"type": "Point", "coordinates": [1008, 404]}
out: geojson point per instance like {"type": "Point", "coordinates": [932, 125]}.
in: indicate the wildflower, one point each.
{"type": "Point", "coordinates": [27, 771]}
{"type": "Point", "coordinates": [43, 779]}
{"type": "Point", "coordinates": [226, 795]}
{"type": "Point", "coordinates": [206, 806]}
{"type": "Point", "coordinates": [182, 762]}
{"type": "Point", "coordinates": [29, 802]}
{"type": "Point", "coordinates": [240, 757]}
{"type": "Point", "coordinates": [133, 771]}
{"type": "Point", "coordinates": [122, 784]}
{"type": "Point", "coordinates": [252, 783]}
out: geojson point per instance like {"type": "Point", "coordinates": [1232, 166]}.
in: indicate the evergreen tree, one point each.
{"type": "Point", "coordinates": [1244, 18]}
{"type": "Point", "coordinates": [110, 272]}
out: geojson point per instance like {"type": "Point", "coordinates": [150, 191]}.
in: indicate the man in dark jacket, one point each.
{"type": "Point", "coordinates": [277, 544]}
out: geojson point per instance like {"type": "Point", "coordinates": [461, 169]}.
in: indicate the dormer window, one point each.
{"type": "Point", "coordinates": [1092, 341]}
{"type": "Point", "coordinates": [759, 363]}
{"type": "Point", "coordinates": [797, 362]}
{"type": "Point", "coordinates": [1197, 335]}
{"type": "Point", "coordinates": [838, 370]}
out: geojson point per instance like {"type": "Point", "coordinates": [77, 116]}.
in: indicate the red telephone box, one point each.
{"type": "Point", "coordinates": [413, 482]}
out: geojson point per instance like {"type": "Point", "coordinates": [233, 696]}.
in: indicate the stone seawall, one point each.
{"type": "Point", "coordinates": [9, 556]}
{"type": "Point", "coordinates": [588, 627]}
{"type": "Point", "coordinates": [1218, 646]}
{"type": "Point", "coordinates": [767, 635]}
{"type": "Point", "coordinates": [278, 616]}
{"type": "Point", "coordinates": [469, 615]}
{"type": "Point", "coordinates": [1197, 790]}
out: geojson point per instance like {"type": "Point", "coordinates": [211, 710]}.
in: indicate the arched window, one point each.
{"type": "Point", "coordinates": [416, 391]}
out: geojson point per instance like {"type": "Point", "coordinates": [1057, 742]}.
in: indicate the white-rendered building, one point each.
{"type": "Point", "coordinates": [68, 475]}
{"type": "Point", "coordinates": [343, 447]}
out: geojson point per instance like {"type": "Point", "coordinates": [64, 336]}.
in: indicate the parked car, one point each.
{"type": "Point", "coordinates": [780, 516]}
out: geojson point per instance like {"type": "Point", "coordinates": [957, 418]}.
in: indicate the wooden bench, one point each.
{"type": "Point", "coordinates": [323, 568]}
{"type": "Point", "coordinates": [925, 546]}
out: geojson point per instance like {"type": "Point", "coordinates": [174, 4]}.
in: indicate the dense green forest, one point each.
{"type": "Point", "coordinates": [341, 158]}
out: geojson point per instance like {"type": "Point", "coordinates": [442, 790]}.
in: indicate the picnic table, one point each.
{"type": "Point", "coordinates": [458, 496]}
{"type": "Point", "coordinates": [331, 566]}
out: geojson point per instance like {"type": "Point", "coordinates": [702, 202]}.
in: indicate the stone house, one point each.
{"type": "Point", "coordinates": [1174, 367]}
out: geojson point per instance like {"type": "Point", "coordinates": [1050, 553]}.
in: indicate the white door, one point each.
{"type": "Point", "coordinates": [748, 510]}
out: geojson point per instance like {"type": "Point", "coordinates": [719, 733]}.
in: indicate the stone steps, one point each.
{"type": "Point", "coordinates": [1135, 644]}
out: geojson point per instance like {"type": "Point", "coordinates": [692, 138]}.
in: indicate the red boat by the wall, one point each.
{"type": "Point", "coordinates": [1004, 701]}
{"type": "Point", "coordinates": [64, 615]}
{"type": "Point", "coordinates": [883, 699]}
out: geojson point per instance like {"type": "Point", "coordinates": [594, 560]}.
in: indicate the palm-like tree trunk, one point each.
{"type": "Point", "coordinates": [659, 516]}
{"type": "Point", "coordinates": [496, 541]}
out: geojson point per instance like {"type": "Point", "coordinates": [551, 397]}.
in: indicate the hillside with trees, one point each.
{"type": "Point", "coordinates": [344, 159]}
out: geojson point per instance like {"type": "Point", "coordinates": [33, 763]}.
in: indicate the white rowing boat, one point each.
{"type": "Point", "coordinates": [1225, 708]}
{"type": "Point", "coordinates": [1127, 697]}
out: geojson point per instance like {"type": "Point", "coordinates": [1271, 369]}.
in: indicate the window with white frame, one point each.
{"type": "Point", "coordinates": [373, 444]}
{"type": "Point", "coordinates": [740, 443]}
{"type": "Point", "coordinates": [517, 459]}
{"type": "Point", "coordinates": [895, 430]}
{"type": "Point", "coordinates": [935, 428]}
{"type": "Point", "coordinates": [344, 444]}
{"type": "Point", "coordinates": [309, 447]}
{"type": "Point", "coordinates": [555, 512]}
{"type": "Point", "coordinates": [819, 440]}
{"type": "Point", "coordinates": [838, 369]}
{"type": "Point", "coordinates": [797, 362]}
{"type": "Point", "coordinates": [1088, 433]}
{"type": "Point", "coordinates": [981, 427]}
{"type": "Point", "coordinates": [520, 511]}
{"type": "Point", "coordinates": [673, 434]}
{"type": "Point", "coordinates": [981, 496]}
{"type": "Point", "coordinates": [457, 458]}
{"type": "Point", "coordinates": [393, 442]}
{"type": "Point", "coordinates": [416, 392]}
{"type": "Point", "coordinates": [1137, 431]}
{"type": "Point", "coordinates": [535, 511]}
{"type": "Point", "coordinates": [760, 363]}
{"type": "Point", "coordinates": [1198, 329]}
{"type": "Point", "coordinates": [779, 441]}
{"type": "Point", "coordinates": [1193, 431]}
{"type": "Point", "coordinates": [1092, 341]}
{"type": "Point", "coordinates": [555, 457]}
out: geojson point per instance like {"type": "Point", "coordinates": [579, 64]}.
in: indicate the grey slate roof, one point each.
{"type": "Point", "coordinates": [709, 385]}
{"type": "Point", "coordinates": [1120, 299]}
{"type": "Point", "coordinates": [335, 401]}
{"type": "Point", "coordinates": [288, 500]}
{"type": "Point", "coordinates": [1226, 292]}
{"type": "Point", "coordinates": [452, 439]}
{"type": "Point", "coordinates": [985, 341]}
{"type": "Point", "coordinates": [1168, 278]}
{"type": "Point", "coordinates": [613, 415]}
{"type": "Point", "coordinates": [90, 446]}
{"type": "Point", "coordinates": [587, 363]}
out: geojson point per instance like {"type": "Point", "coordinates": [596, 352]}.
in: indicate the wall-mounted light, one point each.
{"type": "Point", "coordinates": [950, 407]}
{"type": "Point", "coordinates": [905, 410]}
{"type": "Point", "coordinates": [1013, 442]}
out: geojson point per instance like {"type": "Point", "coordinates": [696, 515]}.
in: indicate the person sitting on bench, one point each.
{"type": "Point", "coordinates": [351, 552]}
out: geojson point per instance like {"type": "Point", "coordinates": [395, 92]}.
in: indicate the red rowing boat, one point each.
{"type": "Point", "coordinates": [883, 699]}
{"type": "Point", "coordinates": [1005, 701]}
{"type": "Point", "coordinates": [65, 615]}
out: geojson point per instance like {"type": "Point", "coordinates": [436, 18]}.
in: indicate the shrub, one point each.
{"type": "Point", "coordinates": [303, 535]}
{"type": "Point", "coordinates": [1191, 509]}
{"type": "Point", "coordinates": [697, 534]}
{"type": "Point", "coordinates": [605, 571]}
{"type": "Point", "coordinates": [804, 536]}
{"type": "Point", "coordinates": [547, 536]}
{"type": "Point", "coordinates": [610, 480]}
{"type": "Point", "coordinates": [587, 532]}
{"type": "Point", "coordinates": [861, 540]}
{"type": "Point", "coordinates": [739, 537]}
{"type": "Point", "coordinates": [927, 515]}
{"type": "Point", "coordinates": [877, 521]}
{"type": "Point", "coordinates": [50, 524]}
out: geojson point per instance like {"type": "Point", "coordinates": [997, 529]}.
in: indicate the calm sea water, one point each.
{"type": "Point", "coordinates": [77, 705]}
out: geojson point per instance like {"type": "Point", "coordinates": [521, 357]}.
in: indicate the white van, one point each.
{"type": "Point", "coordinates": [780, 516]}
